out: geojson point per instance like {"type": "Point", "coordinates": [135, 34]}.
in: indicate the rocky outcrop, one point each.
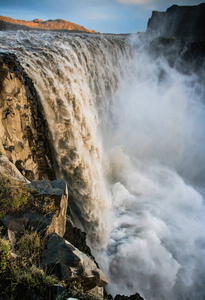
{"type": "Point", "coordinates": [131, 297]}
{"type": "Point", "coordinates": [7, 23]}
{"type": "Point", "coordinates": [24, 135]}
{"type": "Point", "coordinates": [9, 169]}
{"type": "Point", "coordinates": [76, 237]}
{"type": "Point", "coordinates": [46, 212]}
{"type": "Point", "coordinates": [71, 265]}
{"type": "Point", "coordinates": [185, 22]}
{"type": "Point", "coordinates": [186, 56]}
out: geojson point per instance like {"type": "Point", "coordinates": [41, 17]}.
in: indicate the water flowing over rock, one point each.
{"type": "Point", "coordinates": [126, 122]}
{"type": "Point", "coordinates": [74, 76]}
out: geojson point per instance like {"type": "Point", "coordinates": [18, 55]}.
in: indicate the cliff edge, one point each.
{"type": "Point", "coordinates": [186, 22]}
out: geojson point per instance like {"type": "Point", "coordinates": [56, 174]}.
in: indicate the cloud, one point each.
{"type": "Point", "coordinates": [147, 4]}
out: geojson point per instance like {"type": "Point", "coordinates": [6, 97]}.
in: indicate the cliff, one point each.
{"type": "Point", "coordinates": [185, 22]}
{"type": "Point", "coordinates": [7, 23]}
{"type": "Point", "coordinates": [24, 134]}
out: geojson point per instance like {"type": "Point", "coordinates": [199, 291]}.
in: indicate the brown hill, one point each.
{"type": "Point", "coordinates": [7, 23]}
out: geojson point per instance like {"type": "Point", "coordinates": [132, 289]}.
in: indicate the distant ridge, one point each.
{"type": "Point", "coordinates": [7, 23]}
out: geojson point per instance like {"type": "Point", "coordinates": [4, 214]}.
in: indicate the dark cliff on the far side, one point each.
{"type": "Point", "coordinates": [186, 22]}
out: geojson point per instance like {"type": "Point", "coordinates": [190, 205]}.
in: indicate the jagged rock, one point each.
{"type": "Point", "coordinates": [8, 168]}
{"type": "Point", "coordinates": [179, 22]}
{"type": "Point", "coordinates": [69, 264]}
{"type": "Point", "coordinates": [76, 237]}
{"type": "Point", "coordinates": [24, 134]}
{"type": "Point", "coordinates": [44, 223]}
{"type": "Point", "coordinates": [132, 297]}
{"type": "Point", "coordinates": [55, 291]}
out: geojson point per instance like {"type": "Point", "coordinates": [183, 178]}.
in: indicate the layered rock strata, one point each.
{"type": "Point", "coordinates": [179, 22]}
{"type": "Point", "coordinates": [24, 135]}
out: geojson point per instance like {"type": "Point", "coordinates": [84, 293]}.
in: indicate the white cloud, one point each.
{"type": "Point", "coordinates": [147, 4]}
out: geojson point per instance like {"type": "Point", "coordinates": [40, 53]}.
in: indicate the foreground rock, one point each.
{"type": "Point", "coordinates": [48, 216]}
{"type": "Point", "coordinates": [131, 297]}
{"type": "Point", "coordinates": [71, 265]}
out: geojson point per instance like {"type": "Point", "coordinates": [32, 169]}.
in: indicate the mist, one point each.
{"type": "Point", "coordinates": [154, 162]}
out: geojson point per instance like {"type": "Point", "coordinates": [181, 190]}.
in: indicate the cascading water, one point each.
{"type": "Point", "coordinates": [156, 167]}
{"type": "Point", "coordinates": [75, 76]}
{"type": "Point", "coordinates": [120, 113]}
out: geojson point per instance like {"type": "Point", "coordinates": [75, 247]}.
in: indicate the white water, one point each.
{"type": "Point", "coordinates": [156, 168]}
{"type": "Point", "coordinates": [108, 110]}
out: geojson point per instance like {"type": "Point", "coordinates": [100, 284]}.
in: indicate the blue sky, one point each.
{"type": "Point", "coordinates": [106, 16]}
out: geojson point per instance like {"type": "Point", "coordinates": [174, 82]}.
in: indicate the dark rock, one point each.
{"type": "Point", "coordinates": [76, 237]}
{"type": "Point", "coordinates": [55, 291]}
{"type": "Point", "coordinates": [132, 297]}
{"type": "Point", "coordinates": [43, 223]}
{"type": "Point", "coordinates": [185, 22]}
{"type": "Point", "coordinates": [69, 264]}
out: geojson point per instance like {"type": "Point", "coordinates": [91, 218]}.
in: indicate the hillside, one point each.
{"type": "Point", "coordinates": [7, 23]}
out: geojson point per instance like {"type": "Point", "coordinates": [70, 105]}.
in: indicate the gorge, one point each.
{"type": "Point", "coordinates": [123, 124]}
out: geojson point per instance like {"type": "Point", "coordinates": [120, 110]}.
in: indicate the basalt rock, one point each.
{"type": "Point", "coordinates": [131, 297]}
{"type": "Point", "coordinates": [185, 22]}
{"type": "Point", "coordinates": [24, 134]}
{"type": "Point", "coordinates": [71, 265]}
{"type": "Point", "coordinates": [44, 223]}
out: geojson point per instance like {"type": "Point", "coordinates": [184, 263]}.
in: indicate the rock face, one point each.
{"type": "Point", "coordinates": [179, 22]}
{"type": "Point", "coordinates": [45, 223]}
{"type": "Point", "coordinates": [24, 136]}
{"type": "Point", "coordinates": [71, 265]}
{"type": "Point", "coordinates": [59, 24]}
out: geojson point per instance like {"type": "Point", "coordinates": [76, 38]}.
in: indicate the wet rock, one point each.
{"type": "Point", "coordinates": [132, 297]}
{"type": "Point", "coordinates": [76, 237]}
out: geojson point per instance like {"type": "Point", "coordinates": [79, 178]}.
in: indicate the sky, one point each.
{"type": "Point", "coordinates": [105, 16]}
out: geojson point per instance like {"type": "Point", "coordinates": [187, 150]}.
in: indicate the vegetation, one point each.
{"type": "Point", "coordinates": [20, 274]}
{"type": "Point", "coordinates": [4, 254]}
{"type": "Point", "coordinates": [23, 273]}
{"type": "Point", "coordinates": [13, 195]}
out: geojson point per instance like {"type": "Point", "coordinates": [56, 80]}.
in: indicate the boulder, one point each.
{"type": "Point", "coordinates": [44, 223]}
{"type": "Point", "coordinates": [9, 169]}
{"type": "Point", "coordinates": [131, 297]}
{"type": "Point", "coordinates": [71, 265]}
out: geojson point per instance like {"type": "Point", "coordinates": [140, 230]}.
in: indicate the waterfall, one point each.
{"type": "Point", "coordinates": [75, 76]}
{"type": "Point", "coordinates": [127, 130]}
